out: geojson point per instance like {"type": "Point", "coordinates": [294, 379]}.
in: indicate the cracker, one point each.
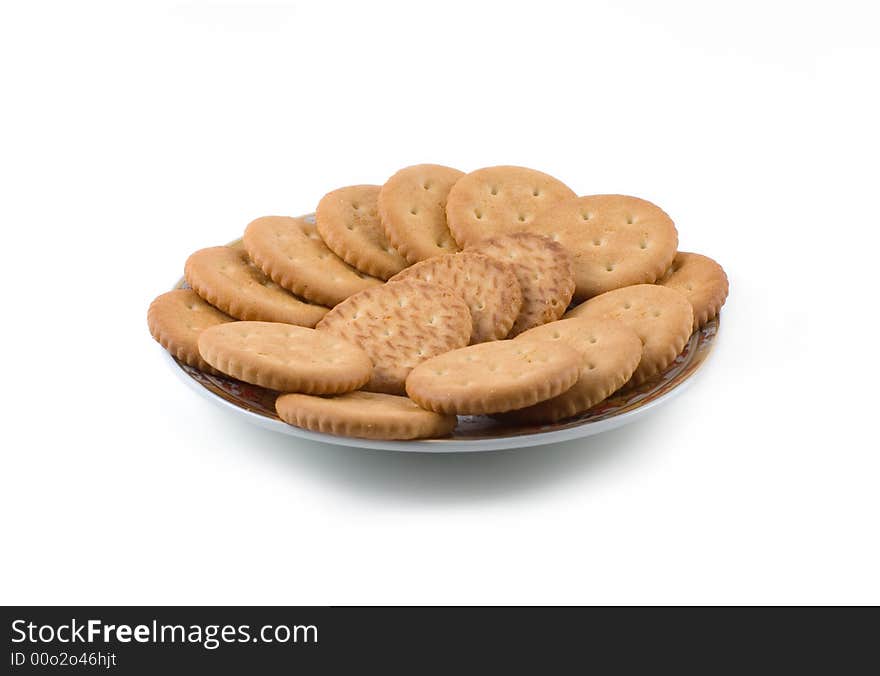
{"type": "Point", "coordinates": [291, 252]}
{"type": "Point", "coordinates": [610, 353]}
{"type": "Point", "coordinates": [615, 240]}
{"type": "Point", "coordinates": [702, 281]}
{"type": "Point", "coordinates": [661, 317]}
{"type": "Point", "coordinates": [177, 318]}
{"type": "Point", "coordinates": [348, 221]}
{"type": "Point", "coordinates": [494, 377]}
{"type": "Point", "coordinates": [543, 269]}
{"type": "Point", "coordinates": [400, 325]}
{"type": "Point", "coordinates": [367, 415]}
{"type": "Point", "coordinates": [500, 200]}
{"type": "Point", "coordinates": [226, 278]}
{"type": "Point", "coordinates": [488, 286]}
{"type": "Point", "coordinates": [285, 357]}
{"type": "Point", "coordinates": [412, 209]}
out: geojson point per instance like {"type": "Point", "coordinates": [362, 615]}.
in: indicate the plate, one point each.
{"type": "Point", "coordinates": [473, 433]}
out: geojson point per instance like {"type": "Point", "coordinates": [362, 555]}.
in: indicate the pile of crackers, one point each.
{"type": "Point", "coordinates": [399, 307]}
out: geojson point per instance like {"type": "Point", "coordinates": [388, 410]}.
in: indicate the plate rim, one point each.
{"type": "Point", "coordinates": [583, 430]}
{"type": "Point", "coordinates": [586, 428]}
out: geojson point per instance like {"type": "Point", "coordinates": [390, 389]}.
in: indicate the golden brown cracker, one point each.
{"type": "Point", "coordinates": [177, 318]}
{"type": "Point", "coordinates": [614, 240]}
{"type": "Point", "coordinates": [412, 209]}
{"type": "Point", "coordinates": [285, 357]}
{"type": "Point", "coordinates": [499, 201]}
{"type": "Point", "coordinates": [543, 270]}
{"type": "Point", "coordinates": [291, 252]}
{"type": "Point", "coordinates": [228, 280]}
{"type": "Point", "coordinates": [489, 288]}
{"type": "Point", "coordinates": [702, 281]}
{"type": "Point", "coordinates": [399, 325]}
{"type": "Point", "coordinates": [494, 377]}
{"type": "Point", "coordinates": [662, 318]}
{"type": "Point", "coordinates": [610, 353]}
{"type": "Point", "coordinates": [348, 221]}
{"type": "Point", "coordinates": [366, 415]}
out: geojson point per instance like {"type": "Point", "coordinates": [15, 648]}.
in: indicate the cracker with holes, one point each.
{"type": "Point", "coordinates": [228, 280]}
{"type": "Point", "coordinates": [610, 353]}
{"type": "Point", "coordinates": [661, 317]}
{"type": "Point", "coordinates": [177, 318]}
{"type": "Point", "coordinates": [500, 200]}
{"type": "Point", "coordinates": [285, 357]}
{"type": "Point", "coordinates": [399, 325]}
{"type": "Point", "coordinates": [412, 209]}
{"type": "Point", "coordinates": [615, 240]}
{"type": "Point", "coordinates": [367, 415]}
{"type": "Point", "coordinates": [489, 288]}
{"type": "Point", "coordinates": [543, 269]}
{"type": "Point", "coordinates": [348, 221]}
{"type": "Point", "coordinates": [702, 281]}
{"type": "Point", "coordinates": [494, 377]}
{"type": "Point", "coordinates": [291, 252]}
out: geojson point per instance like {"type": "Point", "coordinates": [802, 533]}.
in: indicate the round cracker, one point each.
{"type": "Point", "coordinates": [494, 377]}
{"type": "Point", "coordinates": [399, 326]}
{"type": "Point", "coordinates": [488, 286]}
{"type": "Point", "coordinates": [285, 357]}
{"type": "Point", "coordinates": [500, 200]}
{"type": "Point", "coordinates": [610, 353]}
{"type": "Point", "coordinates": [412, 209]}
{"type": "Point", "coordinates": [543, 270]}
{"type": "Point", "coordinates": [661, 317]}
{"type": "Point", "coordinates": [177, 318]}
{"type": "Point", "coordinates": [226, 278]}
{"type": "Point", "coordinates": [367, 415]}
{"type": "Point", "coordinates": [291, 252]}
{"type": "Point", "coordinates": [348, 221]}
{"type": "Point", "coordinates": [702, 281]}
{"type": "Point", "coordinates": [614, 240]}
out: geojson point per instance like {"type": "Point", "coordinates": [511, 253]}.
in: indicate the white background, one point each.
{"type": "Point", "coordinates": [133, 134]}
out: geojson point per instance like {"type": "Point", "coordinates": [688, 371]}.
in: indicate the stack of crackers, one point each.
{"type": "Point", "coordinates": [399, 307]}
